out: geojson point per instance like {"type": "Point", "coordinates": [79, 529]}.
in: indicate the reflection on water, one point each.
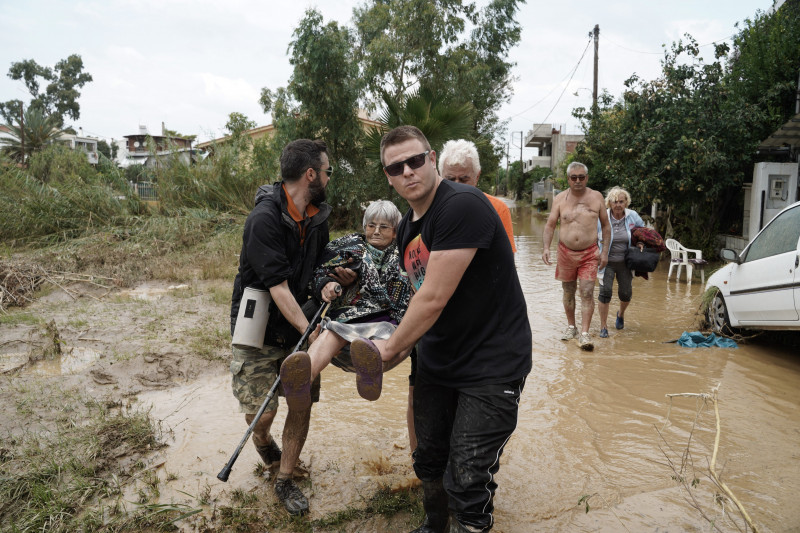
{"type": "Point", "coordinates": [71, 360]}
{"type": "Point", "coordinates": [588, 426]}
{"type": "Point", "coordinates": [151, 293]}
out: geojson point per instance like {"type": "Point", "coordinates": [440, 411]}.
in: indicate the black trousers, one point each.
{"type": "Point", "coordinates": [461, 433]}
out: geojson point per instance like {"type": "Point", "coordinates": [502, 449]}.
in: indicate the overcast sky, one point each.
{"type": "Point", "coordinates": [190, 63]}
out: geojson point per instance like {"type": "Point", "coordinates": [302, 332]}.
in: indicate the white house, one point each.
{"type": "Point", "coordinates": [87, 145]}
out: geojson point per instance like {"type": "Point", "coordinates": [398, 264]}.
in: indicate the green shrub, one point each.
{"type": "Point", "coordinates": [57, 163]}
{"type": "Point", "coordinates": [226, 182]}
{"type": "Point", "coordinates": [74, 199]}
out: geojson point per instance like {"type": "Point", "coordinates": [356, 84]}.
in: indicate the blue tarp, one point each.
{"type": "Point", "coordinates": [695, 339]}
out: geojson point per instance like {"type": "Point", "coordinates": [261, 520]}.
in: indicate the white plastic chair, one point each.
{"type": "Point", "coordinates": [680, 258]}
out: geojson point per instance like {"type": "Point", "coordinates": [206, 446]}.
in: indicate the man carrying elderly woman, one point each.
{"type": "Point", "coordinates": [370, 308]}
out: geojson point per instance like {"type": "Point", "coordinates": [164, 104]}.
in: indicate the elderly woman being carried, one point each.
{"type": "Point", "coordinates": [370, 308]}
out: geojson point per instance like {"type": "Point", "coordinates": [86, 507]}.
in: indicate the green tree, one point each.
{"type": "Point", "coordinates": [477, 70]}
{"type": "Point", "coordinates": [684, 140]}
{"type": "Point", "coordinates": [59, 97]}
{"type": "Point", "coordinates": [35, 132]}
{"type": "Point", "coordinates": [108, 150]}
{"type": "Point", "coordinates": [438, 119]}
{"type": "Point", "coordinates": [764, 63]}
{"type": "Point", "coordinates": [397, 59]}
{"type": "Point", "coordinates": [238, 124]}
{"type": "Point", "coordinates": [515, 180]}
{"type": "Point", "coordinates": [321, 102]}
{"type": "Point", "coordinates": [400, 41]}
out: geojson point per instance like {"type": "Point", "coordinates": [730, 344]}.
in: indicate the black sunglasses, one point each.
{"type": "Point", "coordinates": [328, 171]}
{"type": "Point", "coordinates": [578, 178]}
{"type": "Point", "coordinates": [413, 162]}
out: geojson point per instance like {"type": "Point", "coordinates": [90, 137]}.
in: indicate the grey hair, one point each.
{"type": "Point", "coordinates": [458, 152]}
{"type": "Point", "coordinates": [575, 164]}
{"type": "Point", "coordinates": [382, 210]}
{"type": "Point", "coordinates": [615, 193]}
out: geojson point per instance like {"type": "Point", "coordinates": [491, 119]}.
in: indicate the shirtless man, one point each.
{"type": "Point", "coordinates": [579, 258]}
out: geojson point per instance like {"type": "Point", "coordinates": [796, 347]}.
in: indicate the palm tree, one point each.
{"type": "Point", "coordinates": [39, 131]}
{"type": "Point", "coordinates": [438, 119]}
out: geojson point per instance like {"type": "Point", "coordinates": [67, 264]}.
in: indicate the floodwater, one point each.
{"type": "Point", "coordinates": [72, 359]}
{"type": "Point", "coordinates": [596, 432]}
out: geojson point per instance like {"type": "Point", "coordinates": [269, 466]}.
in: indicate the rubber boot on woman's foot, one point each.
{"type": "Point", "coordinates": [296, 381]}
{"type": "Point", "coordinates": [367, 361]}
{"type": "Point", "coordinates": [435, 502]}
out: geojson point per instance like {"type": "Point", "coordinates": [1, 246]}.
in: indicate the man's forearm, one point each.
{"type": "Point", "coordinates": [421, 315]}
{"type": "Point", "coordinates": [288, 307]}
{"type": "Point", "coordinates": [547, 237]}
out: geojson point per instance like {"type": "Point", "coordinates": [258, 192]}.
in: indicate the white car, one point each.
{"type": "Point", "coordinates": [760, 288]}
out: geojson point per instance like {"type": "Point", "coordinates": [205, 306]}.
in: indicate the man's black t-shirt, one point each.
{"type": "Point", "coordinates": [483, 335]}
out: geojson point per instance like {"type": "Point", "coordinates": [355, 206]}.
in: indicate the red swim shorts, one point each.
{"type": "Point", "coordinates": [577, 264]}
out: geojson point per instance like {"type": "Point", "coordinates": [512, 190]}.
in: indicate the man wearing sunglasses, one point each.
{"type": "Point", "coordinates": [283, 239]}
{"type": "Point", "coordinates": [579, 258]}
{"type": "Point", "coordinates": [469, 321]}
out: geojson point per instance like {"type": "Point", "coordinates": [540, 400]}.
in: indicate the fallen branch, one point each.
{"type": "Point", "coordinates": [19, 281]}
{"type": "Point", "coordinates": [715, 477]}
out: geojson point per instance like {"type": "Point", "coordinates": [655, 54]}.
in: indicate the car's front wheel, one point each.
{"type": "Point", "coordinates": [717, 315]}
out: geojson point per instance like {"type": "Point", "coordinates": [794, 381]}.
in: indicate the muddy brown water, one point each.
{"type": "Point", "coordinates": [591, 424]}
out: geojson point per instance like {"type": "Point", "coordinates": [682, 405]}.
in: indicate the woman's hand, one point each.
{"type": "Point", "coordinates": [345, 276]}
{"type": "Point", "coordinates": [331, 290]}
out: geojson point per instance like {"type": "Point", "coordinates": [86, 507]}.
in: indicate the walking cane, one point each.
{"type": "Point", "coordinates": [226, 470]}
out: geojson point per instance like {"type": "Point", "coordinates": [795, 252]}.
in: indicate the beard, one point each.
{"type": "Point", "coordinates": [317, 191]}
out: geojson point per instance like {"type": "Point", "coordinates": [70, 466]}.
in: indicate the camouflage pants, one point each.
{"type": "Point", "coordinates": [253, 374]}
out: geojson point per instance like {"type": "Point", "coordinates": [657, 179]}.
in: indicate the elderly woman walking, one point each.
{"type": "Point", "coordinates": [371, 307]}
{"type": "Point", "coordinates": [622, 220]}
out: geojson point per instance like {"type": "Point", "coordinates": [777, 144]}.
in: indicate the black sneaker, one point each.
{"type": "Point", "coordinates": [291, 497]}
{"type": "Point", "coordinates": [269, 453]}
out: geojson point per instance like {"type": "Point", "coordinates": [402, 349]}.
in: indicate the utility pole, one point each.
{"type": "Point", "coordinates": [596, 33]}
{"type": "Point", "coordinates": [508, 151]}
{"type": "Point", "coordinates": [520, 158]}
{"type": "Point", "coordinates": [797, 103]}
{"type": "Point", "coordinates": [22, 132]}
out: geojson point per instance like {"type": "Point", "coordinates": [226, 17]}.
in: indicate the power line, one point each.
{"type": "Point", "coordinates": [567, 84]}
{"type": "Point", "coordinates": [606, 39]}
{"type": "Point", "coordinates": [571, 73]}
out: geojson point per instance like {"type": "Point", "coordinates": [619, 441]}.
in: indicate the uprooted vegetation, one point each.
{"type": "Point", "coordinates": [63, 467]}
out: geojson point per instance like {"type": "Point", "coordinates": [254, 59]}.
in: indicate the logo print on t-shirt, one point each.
{"type": "Point", "coordinates": [415, 261]}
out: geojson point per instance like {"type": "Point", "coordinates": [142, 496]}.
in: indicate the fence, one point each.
{"type": "Point", "coordinates": [146, 190]}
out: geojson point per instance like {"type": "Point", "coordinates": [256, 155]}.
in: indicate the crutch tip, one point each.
{"type": "Point", "coordinates": [224, 473]}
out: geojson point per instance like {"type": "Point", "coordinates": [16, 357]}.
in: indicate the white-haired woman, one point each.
{"type": "Point", "coordinates": [622, 221]}
{"type": "Point", "coordinates": [371, 307]}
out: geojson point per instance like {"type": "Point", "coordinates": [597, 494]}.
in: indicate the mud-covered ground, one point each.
{"type": "Point", "coordinates": [163, 348]}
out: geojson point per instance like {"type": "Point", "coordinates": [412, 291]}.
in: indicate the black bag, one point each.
{"type": "Point", "coordinates": [642, 260]}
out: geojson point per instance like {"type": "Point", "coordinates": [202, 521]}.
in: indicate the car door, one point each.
{"type": "Point", "coordinates": [762, 287]}
{"type": "Point", "coordinates": [797, 281]}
